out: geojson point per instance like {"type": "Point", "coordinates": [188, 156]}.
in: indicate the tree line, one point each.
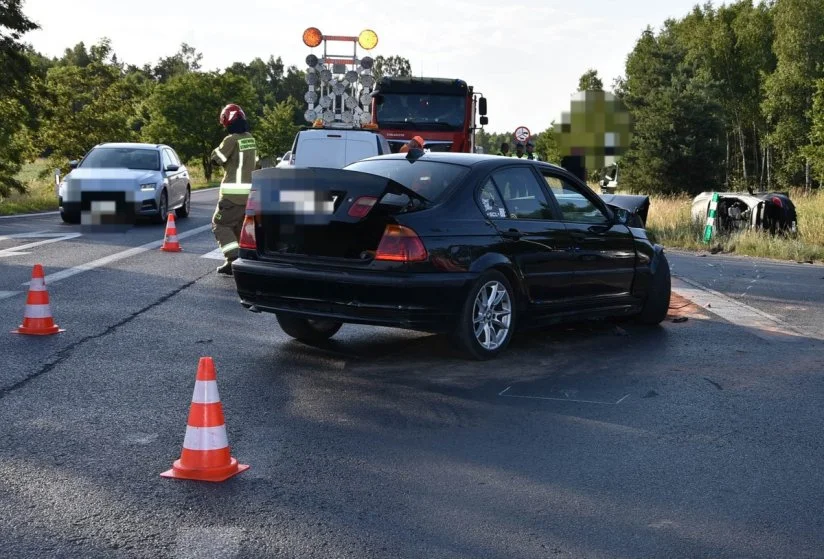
{"type": "Point", "coordinates": [723, 98]}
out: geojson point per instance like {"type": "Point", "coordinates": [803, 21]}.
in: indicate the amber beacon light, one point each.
{"type": "Point", "coordinates": [312, 37]}
{"type": "Point", "coordinates": [368, 39]}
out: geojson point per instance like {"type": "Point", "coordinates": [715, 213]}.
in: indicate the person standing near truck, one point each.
{"type": "Point", "coordinates": [237, 154]}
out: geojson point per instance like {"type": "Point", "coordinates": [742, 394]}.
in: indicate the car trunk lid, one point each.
{"type": "Point", "coordinates": [327, 213]}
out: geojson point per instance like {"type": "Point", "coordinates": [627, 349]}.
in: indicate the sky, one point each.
{"type": "Point", "coordinates": [525, 57]}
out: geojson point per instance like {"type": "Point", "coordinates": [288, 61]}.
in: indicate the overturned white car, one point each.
{"type": "Point", "coordinates": [737, 211]}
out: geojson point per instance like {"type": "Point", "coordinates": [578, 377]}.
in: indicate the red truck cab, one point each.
{"type": "Point", "coordinates": [440, 110]}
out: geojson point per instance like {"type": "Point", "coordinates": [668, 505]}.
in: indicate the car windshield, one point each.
{"type": "Point", "coordinates": [439, 112]}
{"type": "Point", "coordinates": [428, 179]}
{"type": "Point", "coordinates": [122, 158]}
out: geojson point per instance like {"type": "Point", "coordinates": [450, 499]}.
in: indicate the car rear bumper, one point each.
{"type": "Point", "coordinates": [427, 302]}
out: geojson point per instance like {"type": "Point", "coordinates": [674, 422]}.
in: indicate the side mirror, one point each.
{"type": "Point", "coordinates": [279, 159]}
{"type": "Point", "coordinates": [484, 121]}
{"type": "Point", "coordinates": [172, 168]}
{"type": "Point", "coordinates": [482, 106]}
{"type": "Point", "coordinates": [73, 163]}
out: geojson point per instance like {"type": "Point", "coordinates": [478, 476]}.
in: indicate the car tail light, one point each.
{"type": "Point", "coordinates": [248, 239]}
{"type": "Point", "coordinates": [400, 244]}
{"type": "Point", "coordinates": [362, 206]}
{"type": "Point", "coordinates": [253, 202]}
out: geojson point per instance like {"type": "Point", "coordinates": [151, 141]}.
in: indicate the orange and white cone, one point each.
{"type": "Point", "coordinates": [170, 243]}
{"type": "Point", "coordinates": [206, 455]}
{"type": "Point", "coordinates": [37, 317]}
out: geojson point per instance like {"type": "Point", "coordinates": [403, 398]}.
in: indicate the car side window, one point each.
{"type": "Point", "coordinates": [575, 207]}
{"type": "Point", "coordinates": [174, 157]}
{"type": "Point", "coordinates": [522, 194]}
{"type": "Point", "coordinates": [166, 159]}
{"type": "Point", "coordinates": [491, 201]}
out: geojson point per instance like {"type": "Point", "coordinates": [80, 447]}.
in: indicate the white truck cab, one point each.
{"type": "Point", "coordinates": [335, 148]}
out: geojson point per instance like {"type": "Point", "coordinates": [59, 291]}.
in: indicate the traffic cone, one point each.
{"type": "Point", "coordinates": [170, 243]}
{"type": "Point", "coordinates": [37, 317]}
{"type": "Point", "coordinates": [206, 455]}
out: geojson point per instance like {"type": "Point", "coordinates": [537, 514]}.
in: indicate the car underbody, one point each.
{"type": "Point", "coordinates": [739, 211]}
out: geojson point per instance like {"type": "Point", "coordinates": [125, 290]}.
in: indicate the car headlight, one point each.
{"type": "Point", "coordinates": [148, 186]}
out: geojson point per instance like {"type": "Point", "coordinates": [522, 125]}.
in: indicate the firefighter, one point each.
{"type": "Point", "coordinates": [504, 149]}
{"type": "Point", "coordinates": [237, 154]}
{"type": "Point", "coordinates": [530, 151]}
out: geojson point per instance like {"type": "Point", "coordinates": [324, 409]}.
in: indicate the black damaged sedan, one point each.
{"type": "Point", "coordinates": [471, 245]}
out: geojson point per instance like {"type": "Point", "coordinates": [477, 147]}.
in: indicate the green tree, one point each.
{"type": "Point", "coordinates": [84, 106]}
{"type": "Point", "coordinates": [183, 112]}
{"type": "Point", "coordinates": [276, 130]}
{"type": "Point", "coordinates": [815, 151]}
{"type": "Point", "coordinates": [546, 145]}
{"type": "Point", "coordinates": [15, 69]}
{"type": "Point", "coordinates": [799, 51]}
{"type": "Point", "coordinates": [590, 81]}
{"type": "Point", "coordinates": [14, 64]}
{"type": "Point", "coordinates": [391, 66]}
{"type": "Point", "coordinates": [675, 143]}
{"type": "Point", "coordinates": [186, 60]}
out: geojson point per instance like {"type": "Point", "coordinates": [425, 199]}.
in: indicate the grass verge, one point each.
{"type": "Point", "coordinates": [41, 194]}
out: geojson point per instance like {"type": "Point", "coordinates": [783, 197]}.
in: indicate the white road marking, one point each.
{"type": "Point", "coordinates": [216, 254]}
{"type": "Point", "coordinates": [208, 541]}
{"type": "Point", "coordinates": [55, 237]}
{"type": "Point", "coordinates": [763, 325]}
{"type": "Point", "coordinates": [505, 395]}
{"type": "Point", "coordinates": [8, 294]}
{"type": "Point", "coordinates": [69, 272]}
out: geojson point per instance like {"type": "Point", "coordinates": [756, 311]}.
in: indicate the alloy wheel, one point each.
{"type": "Point", "coordinates": [492, 315]}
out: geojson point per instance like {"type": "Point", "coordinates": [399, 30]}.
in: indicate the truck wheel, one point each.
{"type": "Point", "coordinates": [307, 330]}
{"type": "Point", "coordinates": [657, 303]}
{"type": "Point", "coordinates": [487, 319]}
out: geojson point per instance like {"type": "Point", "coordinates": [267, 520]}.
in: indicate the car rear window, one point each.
{"type": "Point", "coordinates": [122, 158]}
{"type": "Point", "coordinates": [430, 179]}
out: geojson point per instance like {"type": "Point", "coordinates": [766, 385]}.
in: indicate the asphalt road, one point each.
{"type": "Point", "coordinates": [696, 439]}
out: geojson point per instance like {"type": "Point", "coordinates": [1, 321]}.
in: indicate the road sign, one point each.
{"type": "Point", "coordinates": [521, 134]}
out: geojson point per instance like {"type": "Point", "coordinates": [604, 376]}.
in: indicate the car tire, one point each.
{"type": "Point", "coordinates": [307, 330]}
{"type": "Point", "coordinates": [656, 305]}
{"type": "Point", "coordinates": [183, 211]}
{"type": "Point", "coordinates": [163, 208]}
{"type": "Point", "coordinates": [70, 217]}
{"type": "Point", "coordinates": [488, 339]}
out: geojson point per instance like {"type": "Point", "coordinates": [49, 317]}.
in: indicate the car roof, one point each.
{"type": "Point", "coordinates": [467, 159]}
{"type": "Point", "coordinates": [130, 145]}
{"type": "Point", "coordinates": [347, 131]}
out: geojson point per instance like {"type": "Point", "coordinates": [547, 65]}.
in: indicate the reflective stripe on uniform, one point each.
{"type": "Point", "coordinates": [230, 247]}
{"type": "Point", "coordinates": [239, 172]}
{"type": "Point", "coordinates": [220, 155]}
{"type": "Point", "coordinates": [235, 188]}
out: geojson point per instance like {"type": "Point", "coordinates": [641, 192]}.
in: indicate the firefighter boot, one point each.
{"type": "Point", "coordinates": [226, 269]}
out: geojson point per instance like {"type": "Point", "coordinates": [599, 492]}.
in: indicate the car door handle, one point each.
{"type": "Point", "coordinates": [512, 234]}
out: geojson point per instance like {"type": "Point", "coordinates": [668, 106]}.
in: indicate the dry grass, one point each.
{"type": "Point", "coordinates": [670, 224]}
{"type": "Point", "coordinates": [41, 194]}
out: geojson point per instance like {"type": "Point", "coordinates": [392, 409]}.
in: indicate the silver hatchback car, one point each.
{"type": "Point", "coordinates": [116, 183]}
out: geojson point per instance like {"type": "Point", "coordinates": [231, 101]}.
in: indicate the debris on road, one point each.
{"type": "Point", "coordinates": [680, 319]}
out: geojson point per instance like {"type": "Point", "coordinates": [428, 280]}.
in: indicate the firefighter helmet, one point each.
{"type": "Point", "coordinates": [231, 113]}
